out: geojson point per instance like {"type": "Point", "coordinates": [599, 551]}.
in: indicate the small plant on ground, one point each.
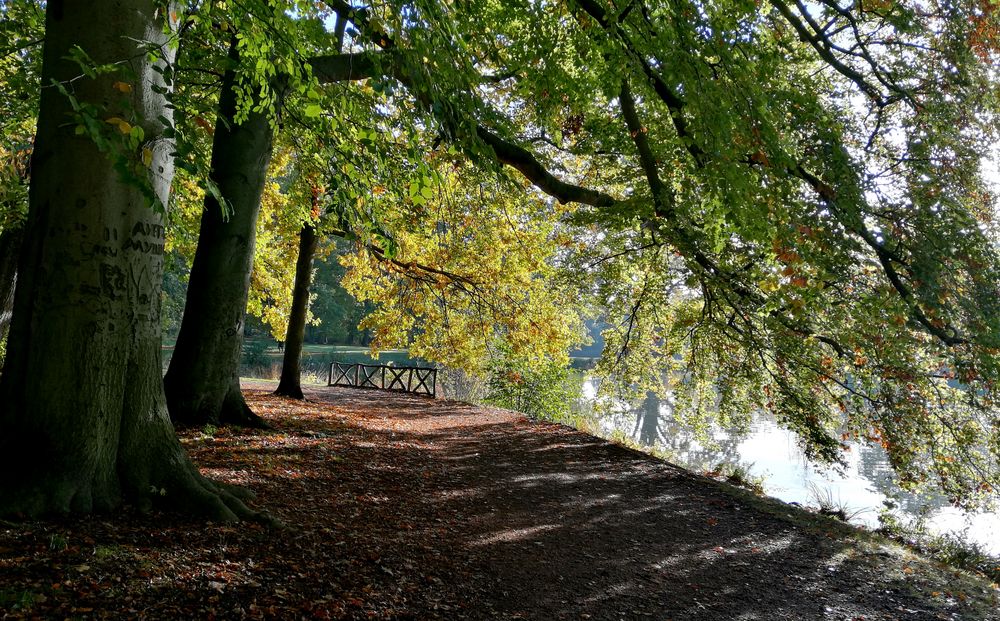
{"type": "Point", "coordinates": [58, 543]}
{"type": "Point", "coordinates": [108, 552]}
{"type": "Point", "coordinates": [834, 507]}
{"type": "Point", "coordinates": [14, 599]}
{"type": "Point", "coordinates": [738, 475]}
{"type": "Point", "coordinates": [207, 433]}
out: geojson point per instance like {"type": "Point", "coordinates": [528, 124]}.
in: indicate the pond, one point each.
{"type": "Point", "coordinates": [861, 486]}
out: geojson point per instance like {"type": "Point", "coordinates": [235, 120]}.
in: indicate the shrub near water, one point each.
{"type": "Point", "coordinates": [255, 353]}
{"type": "Point", "coordinates": [544, 390]}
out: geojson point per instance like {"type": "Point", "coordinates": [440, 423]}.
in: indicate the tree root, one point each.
{"type": "Point", "coordinates": [238, 491]}
{"type": "Point", "coordinates": [293, 392]}
{"type": "Point", "coordinates": [193, 493]}
{"type": "Point", "coordinates": [235, 410]}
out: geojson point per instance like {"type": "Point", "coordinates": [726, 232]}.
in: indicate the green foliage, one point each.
{"type": "Point", "coordinates": [336, 313]}
{"type": "Point", "coordinates": [953, 549]}
{"type": "Point", "coordinates": [22, 25]}
{"type": "Point", "coordinates": [173, 293]}
{"type": "Point", "coordinates": [255, 353]}
{"type": "Point", "coordinates": [778, 244]}
{"type": "Point", "coordinates": [544, 391]}
{"type": "Point", "coordinates": [791, 218]}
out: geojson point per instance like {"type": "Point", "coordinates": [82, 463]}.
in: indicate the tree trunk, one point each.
{"type": "Point", "coordinates": [83, 418]}
{"type": "Point", "coordinates": [10, 247]}
{"type": "Point", "coordinates": [291, 365]}
{"type": "Point", "coordinates": [202, 382]}
{"type": "Point", "coordinates": [290, 384]}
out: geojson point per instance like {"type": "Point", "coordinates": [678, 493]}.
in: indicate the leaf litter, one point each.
{"type": "Point", "coordinates": [400, 507]}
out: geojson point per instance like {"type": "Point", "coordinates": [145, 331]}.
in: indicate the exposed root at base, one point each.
{"type": "Point", "coordinates": [235, 411]}
{"type": "Point", "coordinates": [294, 392]}
{"type": "Point", "coordinates": [193, 493]}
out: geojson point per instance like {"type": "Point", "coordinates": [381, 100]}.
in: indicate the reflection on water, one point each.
{"type": "Point", "coordinates": [861, 486]}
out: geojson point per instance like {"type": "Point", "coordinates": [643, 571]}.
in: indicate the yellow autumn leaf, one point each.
{"type": "Point", "coordinates": [768, 286]}
{"type": "Point", "coordinates": [123, 125]}
{"type": "Point", "coordinates": [147, 157]}
{"type": "Point", "coordinates": [124, 87]}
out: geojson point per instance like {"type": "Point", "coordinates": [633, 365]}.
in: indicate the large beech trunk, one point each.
{"type": "Point", "coordinates": [202, 382]}
{"type": "Point", "coordinates": [290, 384]}
{"type": "Point", "coordinates": [83, 418]}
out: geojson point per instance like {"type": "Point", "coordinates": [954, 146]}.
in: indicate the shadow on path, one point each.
{"type": "Point", "coordinates": [401, 507]}
{"type": "Point", "coordinates": [564, 525]}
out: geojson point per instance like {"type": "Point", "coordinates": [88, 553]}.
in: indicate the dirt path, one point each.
{"type": "Point", "coordinates": [403, 507]}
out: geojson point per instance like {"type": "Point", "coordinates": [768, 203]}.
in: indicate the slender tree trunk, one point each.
{"type": "Point", "coordinates": [202, 382]}
{"type": "Point", "coordinates": [290, 384]}
{"type": "Point", "coordinates": [291, 365]}
{"type": "Point", "coordinates": [10, 248]}
{"type": "Point", "coordinates": [83, 418]}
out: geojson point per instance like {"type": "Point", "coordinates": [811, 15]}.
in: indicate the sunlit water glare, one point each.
{"type": "Point", "coordinates": [861, 486]}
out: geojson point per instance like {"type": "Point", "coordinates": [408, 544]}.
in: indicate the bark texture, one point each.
{"type": "Point", "coordinates": [83, 418]}
{"type": "Point", "coordinates": [290, 384]}
{"type": "Point", "coordinates": [202, 381]}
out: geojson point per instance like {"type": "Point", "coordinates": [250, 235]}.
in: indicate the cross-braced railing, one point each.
{"type": "Point", "coordinates": [416, 380]}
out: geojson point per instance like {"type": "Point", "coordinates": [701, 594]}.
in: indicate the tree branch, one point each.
{"type": "Point", "coordinates": [646, 159]}
{"type": "Point", "coordinates": [525, 162]}
{"type": "Point", "coordinates": [345, 67]}
{"type": "Point", "coordinates": [505, 151]}
{"type": "Point", "coordinates": [676, 105]}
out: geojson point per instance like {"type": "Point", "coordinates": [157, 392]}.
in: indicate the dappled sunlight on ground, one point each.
{"type": "Point", "coordinates": [402, 507]}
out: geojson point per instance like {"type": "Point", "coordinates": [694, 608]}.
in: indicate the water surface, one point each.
{"type": "Point", "coordinates": [862, 486]}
